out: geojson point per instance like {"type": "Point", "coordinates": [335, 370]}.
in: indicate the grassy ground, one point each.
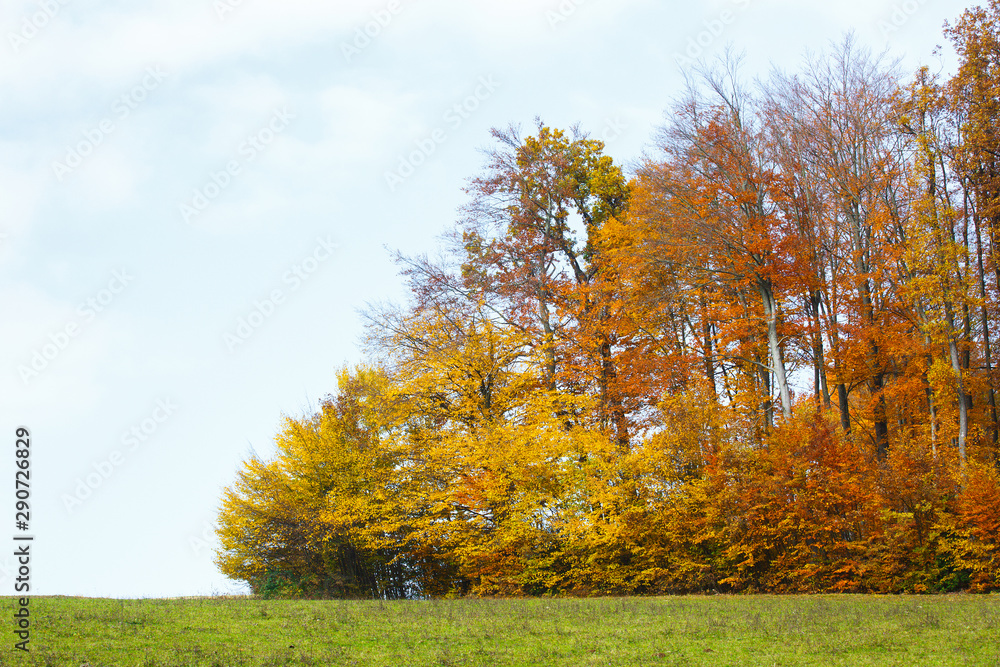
{"type": "Point", "coordinates": [722, 630]}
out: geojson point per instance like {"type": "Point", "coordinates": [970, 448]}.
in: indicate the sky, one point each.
{"type": "Point", "coordinates": [198, 197]}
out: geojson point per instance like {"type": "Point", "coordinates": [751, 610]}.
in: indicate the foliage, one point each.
{"type": "Point", "coordinates": [763, 364]}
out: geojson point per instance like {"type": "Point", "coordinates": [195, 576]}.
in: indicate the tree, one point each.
{"type": "Point", "coordinates": [533, 253]}
{"type": "Point", "coordinates": [580, 396]}
{"type": "Point", "coordinates": [718, 218]}
{"type": "Point", "coordinates": [975, 104]}
{"type": "Point", "coordinates": [301, 524]}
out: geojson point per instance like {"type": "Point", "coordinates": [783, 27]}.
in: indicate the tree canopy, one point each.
{"type": "Point", "coordinates": [761, 362]}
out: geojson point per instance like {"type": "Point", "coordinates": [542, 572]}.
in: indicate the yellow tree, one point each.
{"type": "Point", "coordinates": [937, 260]}
{"type": "Point", "coordinates": [532, 251]}
{"type": "Point", "coordinates": [302, 524]}
{"type": "Point", "coordinates": [975, 105]}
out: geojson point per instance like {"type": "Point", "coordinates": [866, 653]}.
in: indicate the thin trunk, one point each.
{"type": "Point", "coordinates": [966, 311]}
{"type": "Point", "coordinates": [765, 378]}
{"type": "Point", "coordinates": [845, 412]}
{"type": "Point", "coordinates": [881, 421]}
{"type": "Point", "coordinates": [819, 354]}
{"type": "Point", "coordinates": [549, 343]}
{"type": "Point", "coordinates": [706, 326]}
{"type": "Point", "coordinates": [931, 405]}
{"type": "Point", "coordinates": [774, 346]}
{"type": "Point", "coordinates": [609, 395]}
{"type": "Point", "coordinates": [956, 366]}
{"type": "Point", "coordinates": [984, 315]}
{"type": "Point", "coordinates": [963, 413]}
{"type": "Point", "coordinates": [833, 332]}
{"type": "Point", "coordinates": [945, 232]}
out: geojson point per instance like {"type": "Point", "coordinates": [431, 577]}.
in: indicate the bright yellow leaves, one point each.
{"type": "Point", "coordinates": [764, 364]}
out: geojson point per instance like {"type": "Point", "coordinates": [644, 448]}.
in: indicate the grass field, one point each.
{"type": "Point", "coordinates": [719, 630]}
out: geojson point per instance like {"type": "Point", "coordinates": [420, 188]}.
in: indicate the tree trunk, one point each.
{"type": "Point", "coordinates": [845, 413]}
{"type": "Point", "coordinates": [774, 346]}
{"type": "Point", "coordinates": [984, 315]}
{"type": "Point", "coordinates": [706, 326]}
{"type": "Point", "coordinates": [549, 344]}
{"type": "Point", "coordinates": [819, 356]}
{"type": "Point", "coordinates": [956, 367]}
{"type": "Point", "coordinates": [611, 402]}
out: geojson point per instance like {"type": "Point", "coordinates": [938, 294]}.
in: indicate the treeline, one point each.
{"type": "Point", "coordinates": [766, 362]}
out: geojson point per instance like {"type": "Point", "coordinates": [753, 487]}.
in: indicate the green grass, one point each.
{"type": "Point", "coordinates": [722, 630]}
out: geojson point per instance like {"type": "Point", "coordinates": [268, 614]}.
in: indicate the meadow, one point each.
{"type": "Point", "coordinates": [740, 631]}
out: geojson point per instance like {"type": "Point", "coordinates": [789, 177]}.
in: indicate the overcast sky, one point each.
{"type": "Point", "coordinates": [196, 197]}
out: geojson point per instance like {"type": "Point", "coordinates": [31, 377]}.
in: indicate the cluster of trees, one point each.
{"type": "Point", "coordinates": [764, 363]}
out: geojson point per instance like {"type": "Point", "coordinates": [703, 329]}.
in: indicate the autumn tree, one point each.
{"type": "Point", "coordinates": [975, 105]}
{"type": "Point", "coordinates": [580, 396]}
{"type": "Point", "coordinates": [302, 524]}
{"type": "Point", "coordinates": [533, 251]}
{"type": "Point", "coordinates": [713, 197]}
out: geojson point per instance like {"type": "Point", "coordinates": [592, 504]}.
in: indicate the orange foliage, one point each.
{"type": "Point", "coordinates": [600, 389]}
